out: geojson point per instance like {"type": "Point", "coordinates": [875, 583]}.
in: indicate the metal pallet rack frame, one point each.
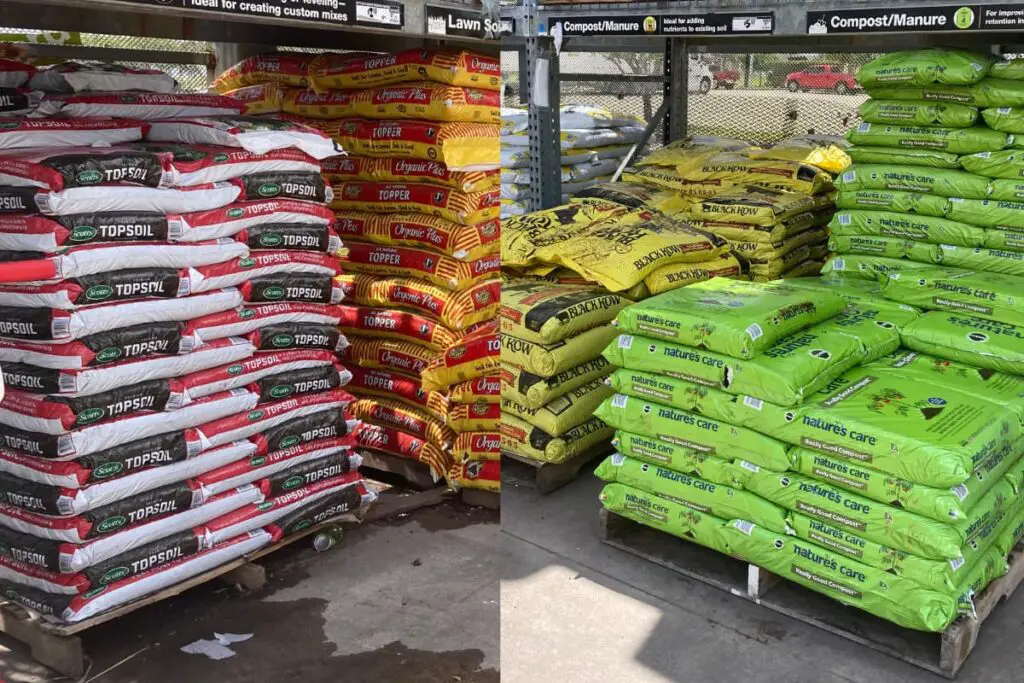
{"type": "Point", "coordinates": [542, 32]}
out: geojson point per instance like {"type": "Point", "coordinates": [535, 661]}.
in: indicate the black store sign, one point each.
{"type": "Point", "coordinates": [669, 25]}
{"type": "Point", "coordinates": [375, 13]}
{"type": "Point", "coordinates": [1008, 17]}
{"type": "Point", "coordinates": [447, 21]}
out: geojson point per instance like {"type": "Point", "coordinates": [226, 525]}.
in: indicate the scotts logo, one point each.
{"type": "Point", "coordinates": [111, 353]}
{"type": "Point", "coordinates": [90, 415]}
{"type": "Point", "coordinates": [255, 415]}
{"type": "Point", "coordinates": [236, 213]}
{"type": "Point", "coordinates": [107, 470]}
{"type": "Point", "coordinates": [257, 461]}
{"type": "Point", "coordinates": [271, 239]}
{"type": "Point", "coordinates": [89, 177]}
{"type": "Point", "coordinates": [288, 442]}
{"type": "Point", "coordinates": [246, 313]}
{"type": "Point", "coordinates": [280, 391]}
{"type": "Point", "coordinates": [274, 292]}
{"type": "Point", "coordinates": [9, 125]}
{"type": "Point", "coordinates": [304, 524]}
{"type": "Point", "coordinates": [281, 340]}
{"type": "Point", "coordinates": [111, 524]}
{"type": "Point", "coordinates": [115, 574]}
{"type": "Point", "coordinates": [246, 262]}
{"type": "Point", "coordinates": [94, 592]}
{"type": "Point", "coordinates": [266, 505]}
{"type": "Point", "coordinates": [234, 370]}
{"type": "Point", "coordinates": [83, 233]}
{"type": "Point", "coordinates": [221, 158]}
{"type": "Point", "coordinates": [292, 483]}
{"type": "Point", "coordinates": [269, 190]}
{"type": "Point", "coordinates": [978, 337]}
{"type": "Point", "coordinates": [99, 292]}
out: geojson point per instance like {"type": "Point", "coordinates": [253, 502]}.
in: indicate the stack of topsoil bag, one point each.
{"type": "Point", "coordinates": [593, 142]}
{"type": "Point", "coordinates": [937, 172]}
{"type": "Point", "coordinates": [173, 398]}
{"type": "Point", "coordinates": [772, 423]}
{"type": "Point", "coordinates": [417, 204]}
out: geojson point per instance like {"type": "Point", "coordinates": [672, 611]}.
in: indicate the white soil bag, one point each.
{"type": "Point", "coordinates": [56, 169]}
{"type": "Point", "coordinates": [19, 133]}
{"type": "Point", "coordinates": [252, 318]}
{"type": "Point", "coordinates": [141, 106]}
{"type": "Point", "coordinates": [254, 134]}
{"type": "Point", "coordinates": [233, 219]}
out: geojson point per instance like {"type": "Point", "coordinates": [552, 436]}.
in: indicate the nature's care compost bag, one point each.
{"type": "Point", "coordinates": [774, 174]}
{"type": "Point", "coordinates": [753, 206]}
{"type": "Point", "coordinates": [852, 290]}
{"type": "Point", "coordinates": [682, 521]}
{"type": "Point", "coordinates": [866, 154]}
{"type": "Point", "coordinates": [979, 258]}
{"type": "Point", "coordinates": [984, 343]}
{"type": "Point", "coordinates": [677, 275]}
{"type": "Point", "coordinates": [690, 430]}
{"type": "Point", "coordinates": [853, 583]}
{"type": "Point", "coordinates": [563, 413]}
{"type": "Point", "coordinates": [1012, 69]}
{"type": "Point", "coordinates": [522, 236]}
{"type": "Point", "coordinates": [525, 440]}
{"type": "Point", "coordinates": [546, 360]}
{"type": "Point", "coordinates": [736, 318]}
{"type": "Point", "coordinates": [906, 226]}
{"type": "Point", "coordinates": [868, 267]}
{"type": "Point", "coordinates": [1005, 190]}
{"type": "Point", "coordinates": [679, 393]}
{"type": "Point", "coordinates": [545, 313]}
{"type": "Point", "coordinates": [1007, 164]}
{"type": "Point", "coordinates": [1006, 216]}
{"type": "Point", "coordinates": [893, 201]}
{"type": "Point", "coordinates": [935, 181]}
{"type": "Point", "coordinates": [991, 92]}
{"type": "Point", "coordinates": [945, 114]}
{"type": "Point", "coordinates": [704, 496]}
{"type": "Point", "coordinates": [533, 391]}
{"type": "Point", "coordinates": [1006, 119]}
{"type": "Point", "coordinates": [952, 140]}
{"type": "Point", "coordinates": [886, 247]}
{"type": "Point", "coordinates": [679, 458]}
{"type": "Point", "coordinates": [927, 66]}
{"type": "Point", "coordinates": [876, 328]}
{"type": "Point", "coordinates": [914, 430]}
{"type": "Point", "coordinates": [976, 293]}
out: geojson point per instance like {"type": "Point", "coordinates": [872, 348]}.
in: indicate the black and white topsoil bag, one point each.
{"type": "Point", "coordinates": [252, 318]}
{"type": "Point", "coordinates": [298, 336]}
{"type": "Point", "coordinates": [325, 424]}
{"type": "Point", "coordinates": [76, 77]}
{"type": "Point", "coordinates": [77, 200]}
{"type": "Point", "coordinates": [238, 271]}
{"type": "Point", "coordinates": [47, 234]}
{"type": "Point", "coordinates": [15, 74]}
{"type": "Point", "coordinates": [233, 219]}
{"type": "Point", "coordinates": [255, 370]}
{"type": "Point", "coordinates": [18, 101]}
{"type": "Point", "coordinates": [20, 133]}
{"type": "Point", "coordinates": [201, 164]}
{"type": "Point", "coordinates": [305, 287]}
{"type": "Point", "coordinates": [141, 106]}
{"type": "Point", "coordinates": [255, 134]}
{"type": "Point", "coordinates": [307, 186]}
{"type": "Point", "coordinates": [107, 287]}
{"type": "Point", "coordinates": [56, 169]}
{"type": "Point", "coordinates": [303, 465]}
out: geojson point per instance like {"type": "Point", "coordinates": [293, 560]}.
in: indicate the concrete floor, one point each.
{"type": "Point", "coordinates": [412, 599]}
{"type": "Point", "coordinates": [577, 611]}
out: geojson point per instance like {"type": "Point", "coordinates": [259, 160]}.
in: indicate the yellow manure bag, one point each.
{"type": "Point", "coordinates": [783, 229]}
{"type": "Point", "coordinates": [473, 357]}
{"type": "Point", "coordinates": [776, 174]}
{"type": "Point", "coordinates": [288, 70]}
{"type": "Point", "coordinates": [425, 101]}
{"type": "Point", "coordinates": [463, 68]}
{"type": "Point", "coordinates": [565, 412]}
{"type": "Point", "coordinates": [545, 313]}
{"type": "Point", "coordinates": [670, 179]}
{"type": "Point", "coordinates": [760, 252]}
{"type": "Point", "coordinates": [459, 146]}
{"type": "Point", "coordinates": [441, 270]}
{"type": "Point", "coordinates": [773, 267]}
{"type": "Point", "coordinates": [753, 206]}
{"type": "Point", "coordinates": [679, 275]}
{"type": "Point", "coordinates": [475, 417]}
{"type": "Point", "coordinates": [397, 170]}
{"type": "Point", "coordinates": [457, 310]}
{"type": "Point", "coordinates": [522, 236]}
{"type": "Point", "coordinates": [546, 360]}
{"type": "Point", "coordinates": [397, 415]}
{"type": "Point", "coordinates": [690, 152]}
{"type": "Point", "coordinates": [465, 208]}
{"type": "Point", "coordinates": [533, 391]}
{"type": "Point", "coordinates": [267, 98]}
{"type": "Point", "coordinates": [527, 441]}
{"type": "Point", "coordinates": [463, 242]}
{"type": "Point", "coordinates": [486, 389]}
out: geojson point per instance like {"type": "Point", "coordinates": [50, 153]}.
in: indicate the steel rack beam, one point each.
{"type": "Point", "coordinates": [541, 80]}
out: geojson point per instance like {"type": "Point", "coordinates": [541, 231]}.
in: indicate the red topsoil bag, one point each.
{"type": "Point", "coordinates": [76, 77]}
{"type": "Point", "coordinates": [298, 336]}
{"type": "Point", "coordinates": [302, 381]}
{"type": "Point", "coordinates": [47, 234]}
{"type": "Point", "coordinates": [141, 106]}
{"type": "Point", "coordinates": [78, 200]}
{"type": "Point", "coordinates": [252, 370]}
{"type": "Point", "coordinates": [252, 318]}
{"type": "Point", "coordinates": [305, 287]}
{"type": "Point", "coordinates": [20, 133]}
{"type": "Point", "coordinates": [236, 218]}
{"type": "Point", "coordinates": [202, 164]}
{"type": "Point", "coordinates": [63, 168]}
{"type": "Point", "coordinates": [52, 324]}
{"type": "Point", "coordinates": [387, 384]}
{"type": "Point", "coordinates": [14, 74]}
{"type": "Point", "coordinates": [319, 460]}
{"type": "Point", "coordinates": [348, 500]}
{"type": "Point", "coordinates": [137, 366]}
{"type": "Point", "coordinates": [116, 285]}
{"type": "Point", "coordinates": [255, 134]}
{"type": "Point", "coordinates": [291, 236]}
{"type": "Point", "coordinates": [303, 186]}
{"type": "Point", "coordinates": [18, 101]}
{"type": "Point", "coordinates": [239, 270]}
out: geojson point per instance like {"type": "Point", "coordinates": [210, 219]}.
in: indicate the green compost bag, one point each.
{"type": "Point", "coordinates": [876, 591]}
{"type": "Point", "coordinates": [679, 393]}
{"type": "Point", "coordinates": [908, 113]}
{"type": "Point", "coordinates": [853, 290]}
{"type": "Point", "coordinates": [980, 258]}
{"type": "Point", "coordinates": [885, 247]}
{"type": "Point", "coordinates": [1012, 69]}
{"type": "Point", "coordinates": [682, 521]}
{"type": "Point", "coordinates": [867, 267]}
{"type": "Point", "coordinates": [866, 154]}
{"type": "Point", "coordinates": [877, 328]}
{"type": "Point", "coordinates": [785, 373]}
{"type": "Point", "coordinates": [1000, 214]}
{"type": "Point", "coordinates": [1006, 119]}
{"type": "Point", "coordinates": [951, 140]}
{"type": "Point", "coordinates": [678, 458]}
{"type": "Point", "coordinates": [977, 293]}
{"type": "Point", "coordinates": [989, 93]}
{"type": "Point", "coordinates": [534, 391]}
{"type": "Point", "coordinates": [1006, 190]}
{"type": "Point", "coordinates": [917, 431]}
{"type": "Point", "coordinates": [701, 495]}
{"type": "Point", "coordinates": [1009, 536]}
{"type": "Point", "coordinates": [906, 226]}
{"type": "Point", "coordinates": [984, 343]}
{"type": "Point", "coordinates": [925, 66]}
{"type": "Point", "coordinates": [893, 200]}
{"type": "Point", "coordinates": [690, 430]}
{"type": "Point", "coordinates": [739, 319]}
{"type": "Point", "coordinates": [1006, 164]}
{"type": "Point", "coordinates": [563, 413]}
{"type": "Point", "coordinates": [991, 566]}
{"type": "Point", "coordinates": [934, 181]}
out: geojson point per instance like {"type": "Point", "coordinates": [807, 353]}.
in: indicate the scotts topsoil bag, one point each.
{"type": "Point", "coordinates": [261, 264]}
{"type": "Point", "coordinates": [560, 414]}
{"type": "Point", "coordinates": [295, 236]}
{"type": "Point", "coordinates": [533, 391]}
{"type": "Point", "coordinates": [849, 223]}
{"type": "Point", "coordinates": [15, 74]}
{"type": "Point", "coordinates": [976, 293]}
{"type": "Point", "coordinates": [784, 373]}
{"type": "Point", "coordinates": [459, 146]}
{"type": "Point", "coordinates": [343, 502]}
{"type": "Point", "coordinates": [927, 66]}
{"type": "Point", "coordinates": [451, 205]}
{"type": "Point", "coordinates": [868, 267]}
{"type": "Point", "coordinates": [869, 154]}
{"type": "Point", "coordinates": [546, 360]}
{"type": "Point", "coordinates": [52, 324]}
{"type": "Point", "coordinates": [691, 430]}
{"type": "Point", "coordinates": [679, 458]}
{"type": "Point", "coordinates": [876, 591]}
{"type": "Point", "coordinates": [119, 198]}
{"type": "Point", "coordinates": [332, 423]}
{"type": "Point", "coordinates": [462, 68]}
{"type": "Point", "coordinates": [457, 310]}
{"type": "Point", "coordinates": [255, 134]}
{"type": "Point", "coordinates": [18, 133]}
{"type": "Point", "coordinates": [914, 430]}
{"type": "Point", "coordinates": [230, 220]}
{"type": "Point", "coordinates": [306, 186]}
{"type": "Point", "coordinates": [305, 287]}
{"type": "Point", "coordinates": [404, 445]}
{"type": "Point", "coordinates": [437, 268]}
{"type": "Point", "coordinates": [120, 285]}
{"type": "Point", "coordinates": [394, 385]}
{"type": "Point", "coordinates": [952, 140]}
{"type": "Point", "coordinates": [303, 465]}
{"type": "Point", "coordinates": [464, 242]}
{"type": "Point", "coordinates": [201, 164]}
{"type": "Point", "coordinates": [56, 170]}
{"type": "Point", "coordinates": [544, 313]}
{"type": "Point", "coordinates": [416, 100]}
{"type": "Point", "coordinates": [473, 357]}
{"type": "Point", "coordinates": [288, 70]}
{"type": "Point", "coordinates": [984, 343]}
{"type": "Point", "coordinates": [75, 77]}
{"type": "Point", "coordinates": [677, 275]}
{"type": "Point", "coordinates": [278, 374]}
{"type": "Point", "coordinates": [947, 114]}
{"type": "Point", "coordinates": [525, 440]}
{"type": "Point", "coordinates": [138, 105]}
{"type": "Point", "coordinates": [298, 336]}
{"type": "Point", "coordinates": [480, 390]}
{"type": "Point", "coordinates": [399, 170]}
{"type": "Point", "coordinates": [893, 200]}
{"type": "Point", "coordinates": [719, 500]}
{"type": "Point", "coordinates": [17, 101]}
{"type": "Point", "coordinates": [242, 321]}
{"type": "Point", "coordinates": [941, 182]}
{"type": "Point", "coordinates": [727, 316]}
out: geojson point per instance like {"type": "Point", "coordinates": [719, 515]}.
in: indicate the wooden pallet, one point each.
{"type": "Point", "coordinates": [547, 476]}
{"type": "Point", "coordinates": [58, 646]}
{"type": "Point", "coordinates": [413, 472]}
{"type": "Point", "coordinates": [942, 653]}
{"type": "Point", "coordinates": [480, 498]}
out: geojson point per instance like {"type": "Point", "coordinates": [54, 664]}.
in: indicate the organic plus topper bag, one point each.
{"type": "Point", "coordinates": [360, 70]}
{"type": "Point", "coordinates": [459, 146]}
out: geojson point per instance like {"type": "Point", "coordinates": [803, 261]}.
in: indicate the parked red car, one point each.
{"type": "Point", "coordinates": [725, 78]}
{"type": "Point", "coordinates": [821, 77]}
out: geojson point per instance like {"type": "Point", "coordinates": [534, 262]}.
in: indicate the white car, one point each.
{"type": "Point", "coordinates": [701, 78]}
